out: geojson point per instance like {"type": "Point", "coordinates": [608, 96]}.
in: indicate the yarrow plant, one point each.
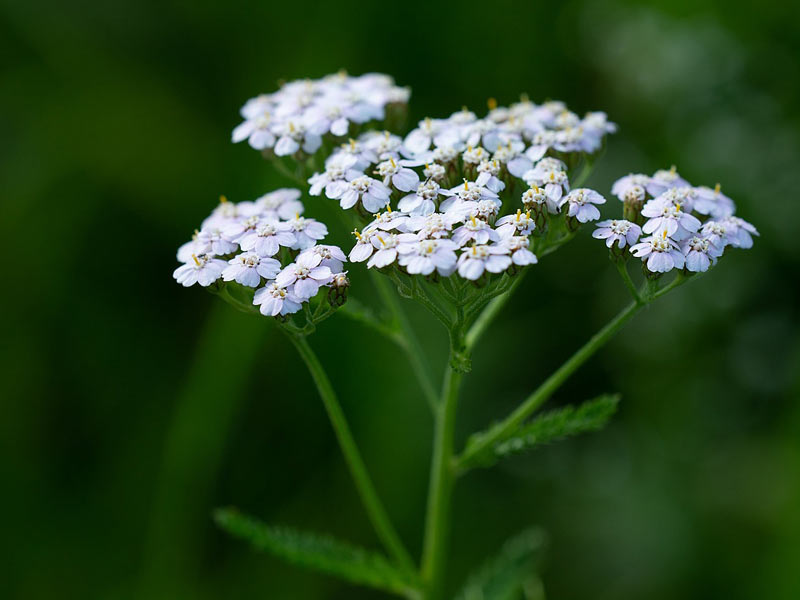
{"type": "Point", "coordinates": [451, 215]}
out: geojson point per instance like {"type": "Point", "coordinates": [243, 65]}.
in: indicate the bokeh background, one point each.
{"type": "Point", "coordinates": [131, 407]}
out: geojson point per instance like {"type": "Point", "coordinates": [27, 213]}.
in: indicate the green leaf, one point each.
{"type": "Point", "coordinates": [318, 552]}
{"type": "Point", "coordinates": [511, 574]}
{"type": "Point", "coordinates": [552, 426]}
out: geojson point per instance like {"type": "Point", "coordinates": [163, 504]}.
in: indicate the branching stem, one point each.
{"type": "Point", "coordinates": [486, 440]}
{"type": "Point", "coordinates": [375, 510]}
{"type": "Point", "coordinates": [410, 342]}
{"type": "Point", "coordinates": [622, 267]}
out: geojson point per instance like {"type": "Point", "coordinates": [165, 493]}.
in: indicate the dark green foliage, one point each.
{"type": "Point", "coordinates": [318, 552]}
{"type": "Point", "coordinates": [510, 575]}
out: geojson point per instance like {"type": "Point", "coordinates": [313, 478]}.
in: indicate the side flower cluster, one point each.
{"type": "Point", "coordinates": [268, 246]}
{"type": "Point", "coordinates": [686, 227]}
{"type": "Point", "coordinates": [297, 116]}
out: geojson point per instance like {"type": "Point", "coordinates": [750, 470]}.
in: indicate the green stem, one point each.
{"type": "Point", "coordinates": [550, 385]}
{"type": "Point", "coordinates": [375, 510]}
{"type": "Point", "coordinates": [679, 280]}
{"type": "Point", "coordinates": [622, 267]}
{"type": "Point", "coordinates": [421, 295]}
{"type": "Point", "coordinates": [437, 521]}
{"type": "Point", "coordinates": [286, 172]}
{"type": "Point", "coordinates": [488, 314]}
{"type": "Point", "coordinates": [410, 343]}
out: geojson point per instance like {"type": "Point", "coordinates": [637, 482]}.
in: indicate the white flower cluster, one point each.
{"type": "Point", "coordinates": [508, 143]}
{"type": "Point", "coordinates": [446, 177]}
{"type": "Point", "coordinates": [299, 114]}
{"type": "Point", "coordinates": [239, 242]}
{"type": "Point", "coordinates": [671, 211]}
{"type": "Point", "coordinates": [466, 237]}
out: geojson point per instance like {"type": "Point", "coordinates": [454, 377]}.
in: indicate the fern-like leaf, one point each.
{"type": "Point", "coordinates": [510, 574]}
{"type": "Point", "coordinates": [552, 426]}
{"type": "Point", "coordinates": [318, 552]}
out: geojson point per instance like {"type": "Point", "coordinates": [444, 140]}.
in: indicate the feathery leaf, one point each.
{"type": "Point", "coordinates": [550, 427]}
{"type": "Point", "coordinates": [511, 573]}
{"type": "Point", "coordinates": [322, 553]}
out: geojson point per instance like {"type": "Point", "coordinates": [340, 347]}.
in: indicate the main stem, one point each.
{"type": "Point", "coordinates": [375, 510]}
{"type": "Point", "coordinates": [437, 520]}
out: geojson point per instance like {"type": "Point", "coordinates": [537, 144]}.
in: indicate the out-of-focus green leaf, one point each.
{"type": "Point", "coordinates": [512, 574]}
{"type": "Point", "coordinates": [318, 552]}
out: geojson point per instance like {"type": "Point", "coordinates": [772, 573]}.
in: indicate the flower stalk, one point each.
{"type": "Point", "coordinates": [366, 490]}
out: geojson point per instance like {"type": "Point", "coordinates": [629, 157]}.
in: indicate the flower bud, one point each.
{"type": "Point", "coordinates": [618, 254]}
{"type": "Point", "coordinates": [513, 269]}
{"type": "Point", "coordinates": [572, 224]}
{"type": "Point", "coordinates": [632, 205]}
{"type": "Point", "coordinates": [337, 294]}
{"type": "Point", "coordinates": [534, 200]}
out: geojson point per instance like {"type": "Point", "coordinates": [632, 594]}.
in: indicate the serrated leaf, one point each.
{"type": "Point", "coordinates": [559, 424]}
{"type": "Point", "coordinates": [552, 426]}
{"type": "Point", "coordinates": [318, 552]}
{"type": "Point", "coordinates": [511, 573]}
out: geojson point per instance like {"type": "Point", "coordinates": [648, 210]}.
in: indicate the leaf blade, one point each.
{"type": "Point", "coordinates": [549, 427]}
{"type": "Point", "coordinates": [318, 552]}
{"type": "Point", "coordinates": [511, 572]}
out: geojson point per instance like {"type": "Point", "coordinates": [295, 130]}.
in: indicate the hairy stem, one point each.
{"type": "Point", "coordinates": [437, 520]}
{"type": "Point", "coordinates": [375, 510]}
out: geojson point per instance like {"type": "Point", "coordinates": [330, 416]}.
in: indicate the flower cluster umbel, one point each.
{"type": "Point", "coordinates": [462, 195]}
{"type": "Point", "coordinates": [687, 227]}
{"type": "Point", "coordinates": [239, 242]}
{"type": "Point", "coordinates": [297, 116]}
{"type": "Point", "coordinates": [446, 178]}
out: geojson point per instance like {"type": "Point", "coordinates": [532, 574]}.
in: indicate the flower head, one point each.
{"type": "Point", "coordinates": [700, 253]}
{"type": "Point", "coordinates": [666, 215]}
{"type": "Point", "coordinates": [582, 203]}
{"type": "Point", "coordinates": [267, 237]}
{"type": "Point", "coordinates": [617, 230]}
{"type": "Point", "coordinates": [517, 246]}
{"type": "Point", "coordinates": [663, 180]}
{"type": "Point", "coordinates": [248, 268]}
{"type": "Point", "coordinates": [306, 231]}
{"type": "Point", "coordinates": [425, 256]}
{"type": "Point", "coordinates": [274, 300]}
{"type": "Point", "coordinates": [372, 194]}
{"type": "Point", "coordinates": [477, 259]}
{"type": "Point", "coordinates": [203, 269]}
{"type": "Point", "coordinates": [661, 253]}
{"type": "Point", "coordinates": [400, 176]}
{"type": "Point", "coordinates": [519, 223]}
{"type": "Point", "coordinates": [307, 275]}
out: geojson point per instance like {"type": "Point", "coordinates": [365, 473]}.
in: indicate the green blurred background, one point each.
{"type": "Point", "coordinates": [132, 407]}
